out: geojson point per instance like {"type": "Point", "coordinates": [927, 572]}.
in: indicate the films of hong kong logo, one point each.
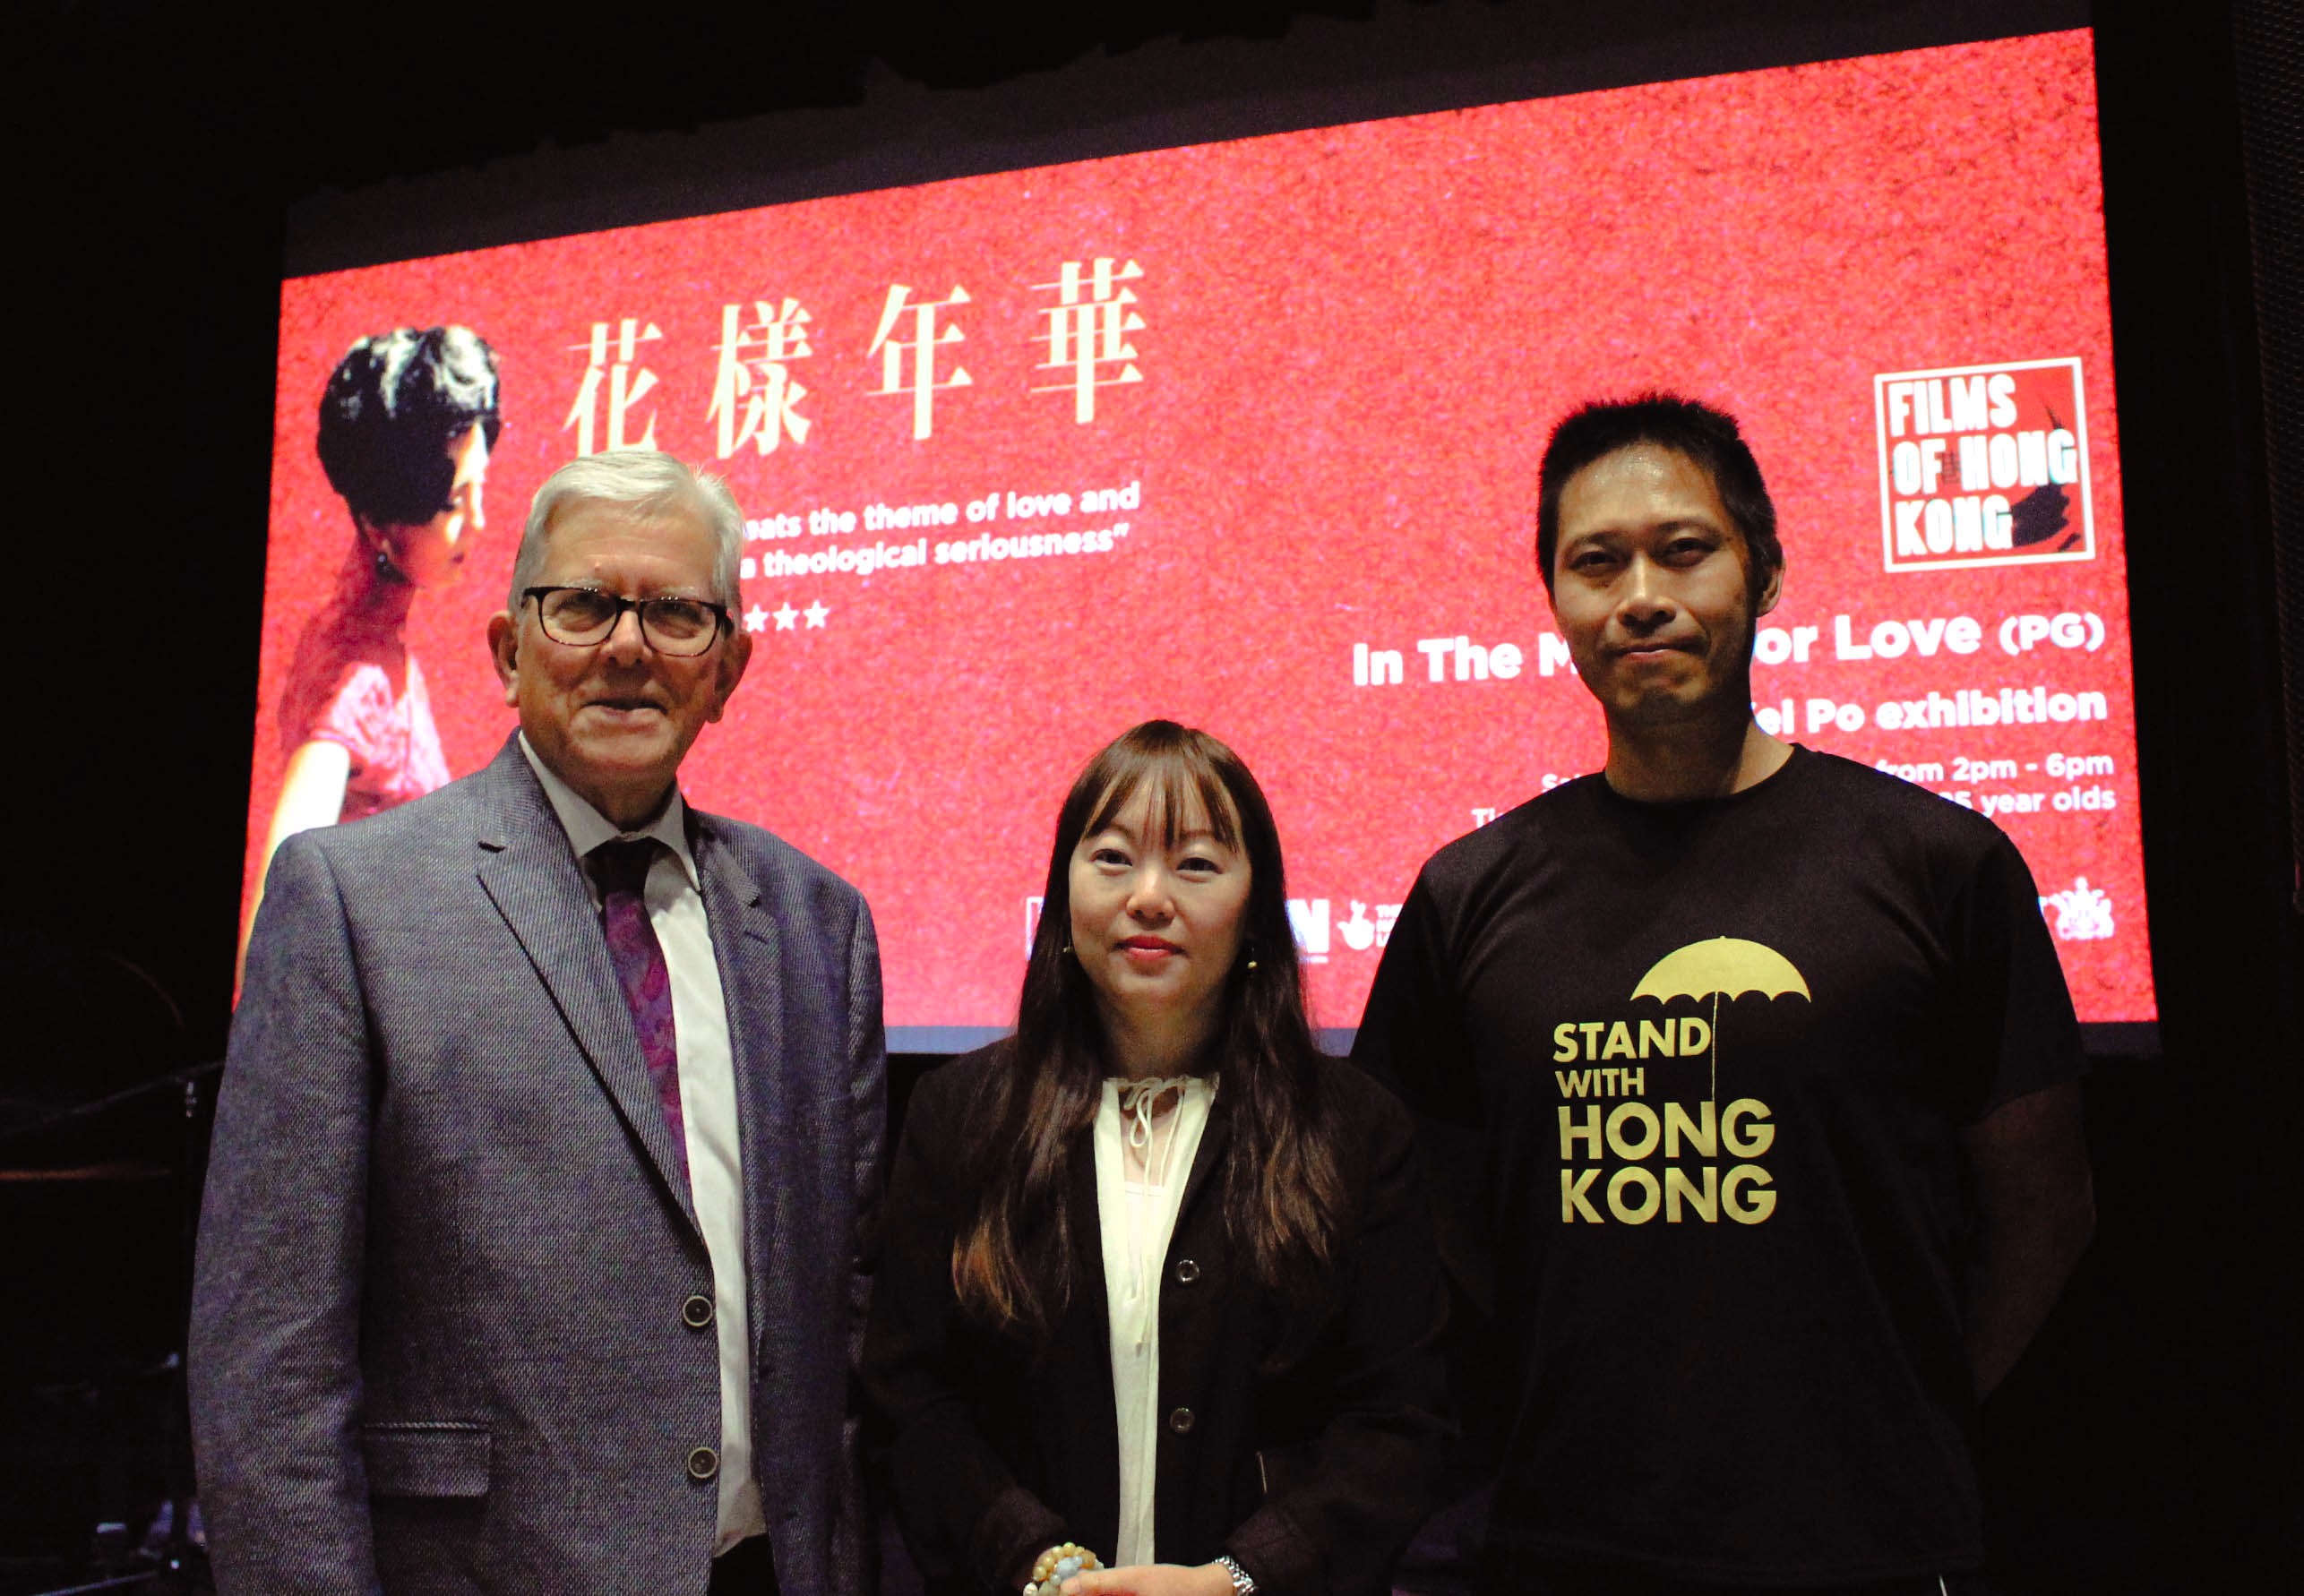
{"type": "Point", "coordinates": [1983, 464]}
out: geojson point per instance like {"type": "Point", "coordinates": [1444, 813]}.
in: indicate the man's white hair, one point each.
{"type": "Point", "coordinates": [644, 481]}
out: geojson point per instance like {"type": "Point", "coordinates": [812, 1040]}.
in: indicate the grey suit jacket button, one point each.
{"type": "Point", "coordinates": [696, 1313]}
{"type": "Point", "coordinates": [1186, 1271]}
{"type": "Point", "coordinates": [703, 1463]}
{"type": "Point", "coordinates": [1181, 1421]}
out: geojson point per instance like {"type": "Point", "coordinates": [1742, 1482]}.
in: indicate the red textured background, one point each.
{"type": "Point", "coordinates": [1355, 341]}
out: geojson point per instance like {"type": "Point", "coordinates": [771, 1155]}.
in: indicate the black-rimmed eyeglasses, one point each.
{"type": "Point", "coordinates": [584, 617]}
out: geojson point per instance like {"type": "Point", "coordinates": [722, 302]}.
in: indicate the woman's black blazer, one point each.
{"type": "Point", "coordinates": [1304, 1439]}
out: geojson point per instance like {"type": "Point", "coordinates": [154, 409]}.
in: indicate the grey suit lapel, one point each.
{"type": "Point", "coordinates": [748, 948]}
{"type": "Point", "coordinates": [530, 873]}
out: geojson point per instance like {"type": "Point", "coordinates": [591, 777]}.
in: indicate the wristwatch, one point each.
{"type": "Point", "coordinates": [1242, 1584]}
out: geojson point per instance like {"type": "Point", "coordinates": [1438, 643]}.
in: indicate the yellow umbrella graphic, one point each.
{"type": "Point", "coordinates": [1725, 965]}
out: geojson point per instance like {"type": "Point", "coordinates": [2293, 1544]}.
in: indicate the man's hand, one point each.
{"type": "Point", "coordinates": [1152, 1578]}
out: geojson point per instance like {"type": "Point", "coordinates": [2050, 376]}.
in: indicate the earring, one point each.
{"type": "Point", "coordinates": [381, 558]}
{"type": "Point", "coordinates": [1252, 955]}
{"type": "Point", "coordinates": [1068, 948]}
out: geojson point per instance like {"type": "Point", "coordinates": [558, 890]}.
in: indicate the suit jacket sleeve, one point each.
{"type": "Point", "coordinates": [965, 1519]}
{"type": "Point", "coordinates": [274, 1368]}
{"type": "Point", "coordinates": [1337, 1519]}
{"type": "Point", "coordinates": [867, 1072]}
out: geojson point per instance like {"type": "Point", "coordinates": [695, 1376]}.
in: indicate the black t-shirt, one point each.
{"type": "Point", "coordinates": [1718, 1055]}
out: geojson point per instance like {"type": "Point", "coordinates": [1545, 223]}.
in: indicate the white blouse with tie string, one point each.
{"type": "Point", "coordinates": [1137, 1216]}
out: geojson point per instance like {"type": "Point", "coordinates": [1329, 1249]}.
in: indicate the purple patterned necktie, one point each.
{"type": "Point", "coordinates": [621, 869]}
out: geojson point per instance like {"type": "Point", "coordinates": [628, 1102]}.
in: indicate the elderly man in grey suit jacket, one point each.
{"type": "Point", "coordinates": [537, 1225]}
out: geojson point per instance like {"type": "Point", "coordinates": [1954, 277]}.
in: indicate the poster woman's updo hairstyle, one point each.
{"type": "Point", "coordinates": [391, 407]}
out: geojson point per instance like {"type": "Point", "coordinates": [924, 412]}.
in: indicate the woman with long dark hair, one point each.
{"type": "Point", "coordinates": [1158, 1281]}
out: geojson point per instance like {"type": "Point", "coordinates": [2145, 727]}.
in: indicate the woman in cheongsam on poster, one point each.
{"type": "Point", "coordinates": [406, 426]}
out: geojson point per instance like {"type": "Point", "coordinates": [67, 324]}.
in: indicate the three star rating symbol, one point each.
{"type": "Point", "coordinates": [786, 618]}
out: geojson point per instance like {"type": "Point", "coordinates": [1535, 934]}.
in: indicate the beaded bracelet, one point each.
{"type": "Point", "coordinates": [1058, 1564]}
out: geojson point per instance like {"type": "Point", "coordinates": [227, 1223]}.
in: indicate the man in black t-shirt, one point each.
{"type": "Point", "coordinates": [1766, 1065]}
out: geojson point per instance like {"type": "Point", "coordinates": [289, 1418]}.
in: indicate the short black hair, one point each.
{"type": "Point", "coordinates": [392, 405]}
{"type": "Point", "coordinates": [1706, 436]}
